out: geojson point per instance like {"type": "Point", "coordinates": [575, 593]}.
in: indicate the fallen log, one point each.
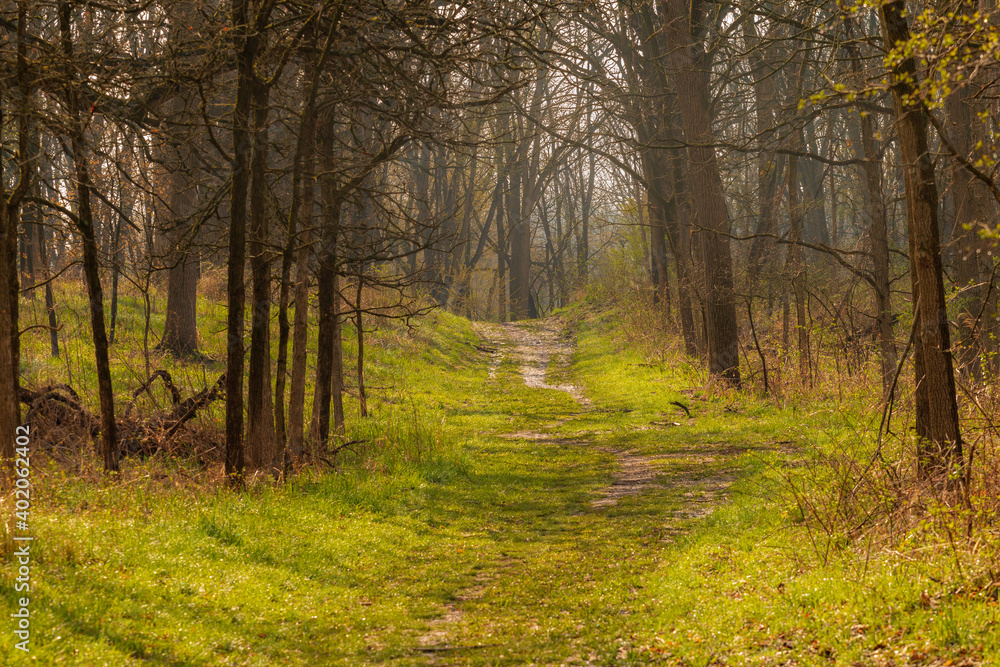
{"type": "Point", "coordinates": [150, 435]}
{"type": "Point", "coordinates": [186, 410]}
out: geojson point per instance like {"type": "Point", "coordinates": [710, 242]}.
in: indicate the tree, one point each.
{"type": "Point", "coordinates": [85, 224]}
{"type": "Point", "coordinates": [691, 65]}
{"type": "Point", "coordinates": [867, 150]}
{"type": "Point", "coordinates": [10, 209]}
{"type": "Point", "coordinates": [248, 20]}
{"type": "Point", "coordinates": [180, 327]}
{"type": "Point", "coordinates": [940, 448]}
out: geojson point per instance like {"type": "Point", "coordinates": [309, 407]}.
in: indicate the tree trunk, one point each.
{"type": "Point", "coordinates": [44, 262]}
{"type": "Point", "coordinates": [520, 230]}
{"type": "Point", "coordinates": [329, 351]}
{"type": "Point", "coordinates": [583, 250]}
{"type": "Point", "coordinates": [461, 257]}
{"type": "Point", "coordinates": [10, 415]}
{"type": "Point", "coordinates": [91, 267]}
{"type": "Point", "coordinates": [878, 238]}
{"type": "Point", "coordinates": [691, 74]}
{"type": "Point", "coordinates": [359, 324]}
{"type": "Point", "coordinates": [562, 242]}
{"type": "Point", "coordinates": [679, 235]}
{"type": "Point", "coordinates": [795, 272]}
{"type": "Point", "coordinates": [657, 227]}
{"type": "Point", "coordinates": [115, 271]}
{"type": "Point", "coordinates": [299, 229]}
{"type": "Point", "coordinates": [657, 122]}
{"type": "Point", "coordinates": [325, 338]}
{"type": "Point", "coordinates": [261, 439]}
{"type": "Point", "coordinates": [502, 253]}
{"type": "Point", "coordinates": [10, 207]}
{"type": "Point", "coordinates": [769, 164]}
{"type": "Point", "coordinates": [431, 274]}
{"type": "Point", "coordinates": [50, 302]}
{"type": "Point", "coordinates": [815, 228]}
{"type": "Point", "coordinates": [329, 364]}
{"type": "Point", "coordinates": [303, 161]}
{"type": "Point", "coordinates": [247, 45]}
{"type": "Point", "coordinates": [300, 332]}
{"type": "Point", "coordinates": [971, 211]}
{"type": "Point", "coordinates": [940, 447]}
{"type": "Point", "coordinates": [441, 253]}
{"type": "Point", "coordinates": [520, 249]}
{"type": "Point", "coordinates": [29, 275]}
{"type": "Point", "coordinates": [180, 327]}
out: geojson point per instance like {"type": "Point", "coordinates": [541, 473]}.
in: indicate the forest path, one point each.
{"type": "Point", "coordinates": [584, 520]}
{"type": "Point", "coordinates": [537, 345]}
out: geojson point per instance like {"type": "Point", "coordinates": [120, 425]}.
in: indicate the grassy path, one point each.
{"type": "Point", "coordinates": [520, 529]}
{"type": "Point", "coordinates": [531, 495]}
{"type": "Point", "coordinates": [584, 520]}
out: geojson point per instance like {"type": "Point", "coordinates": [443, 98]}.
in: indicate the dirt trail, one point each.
{"type": "Point", "coordinates": [540, 350]}
{"type": "Point", "coordinates": [635, 474]}
{"type": "Point", "coordinates": [535, 347]}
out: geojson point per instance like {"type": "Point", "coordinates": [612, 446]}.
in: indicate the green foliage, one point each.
{"type": "Point", "coordinates": [440, 541]}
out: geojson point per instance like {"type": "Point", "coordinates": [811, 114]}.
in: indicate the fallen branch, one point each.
{"type": "Point", "coordinates": [346, 445]}
{"type": "Point", "coordinates": [168, 382]}
{"type": "Point", "coordinates": [186, 410]}
{"type": "Point", "coordinates": [145, 436]}
{"type": "Point", "coordinates": [62, 394]}
{"type": "Point", "coordinates": [63, 419]}
{"type": "Point", "coordinates": [685, 408]}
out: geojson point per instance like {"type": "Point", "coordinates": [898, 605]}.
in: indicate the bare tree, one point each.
{"type": "Point", "coordinates": [936, 405]}
{"type": "Point", "coordinates": [691, 65]}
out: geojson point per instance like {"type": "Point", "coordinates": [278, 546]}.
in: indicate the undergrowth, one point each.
{"type": "Point", "coordinates": [816, 547]}
{"type": "Point", "coordinates": [846, 556]}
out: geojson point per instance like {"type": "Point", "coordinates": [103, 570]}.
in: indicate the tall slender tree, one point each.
{"type": "Point", "coordinates": [937, 424]}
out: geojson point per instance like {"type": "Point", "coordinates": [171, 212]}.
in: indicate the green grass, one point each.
{"type": "Point", "coordinates": [440, 542]}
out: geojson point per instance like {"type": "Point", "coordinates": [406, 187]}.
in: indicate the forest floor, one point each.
{"type": "Point", "coordinates": [561, 500]}
{"type": "Point", "coordinates": [524, 609]}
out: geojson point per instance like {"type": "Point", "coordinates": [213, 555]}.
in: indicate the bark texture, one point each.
{"type": "Point", "coordinates": [690, 73]}
{"type": "Point", "coordinates": [261, 440]}
{"type": "Point", "coordinates": [247, 46]}
{"type": "Point", "coordinates": [88, 239]}
{"type": "Point", "coordinates": [940, 448]}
